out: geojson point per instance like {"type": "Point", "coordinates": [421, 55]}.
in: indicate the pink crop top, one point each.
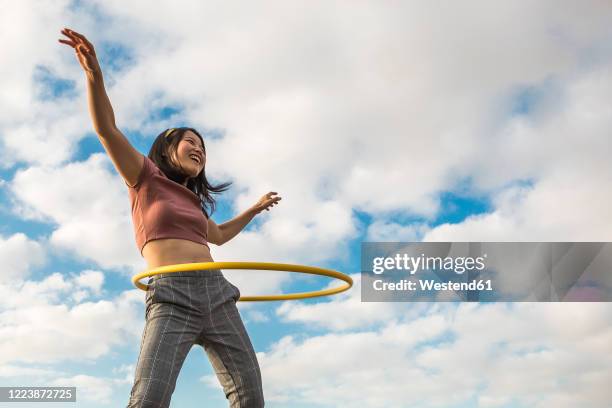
{"type": "Point", "coordinates": [162, 208]}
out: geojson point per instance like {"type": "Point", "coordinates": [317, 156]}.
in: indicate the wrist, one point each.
{"type": "Point", "coordinates": [94, 76]}
{"type": "Point", "coordinates": [251, 212]}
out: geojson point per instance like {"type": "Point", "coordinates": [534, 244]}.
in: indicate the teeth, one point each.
{"type": "Point", "coordinates": [196, 158]}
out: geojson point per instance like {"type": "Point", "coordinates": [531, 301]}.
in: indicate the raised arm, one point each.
{"type": "Point", "coordinates": [127, 160]}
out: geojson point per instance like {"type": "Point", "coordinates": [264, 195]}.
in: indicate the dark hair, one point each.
{"type": "Point", "coordinates": [160, 155]}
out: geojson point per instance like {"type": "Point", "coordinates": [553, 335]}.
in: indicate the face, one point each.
{"type": "Point", "coordinates": [190, 155]}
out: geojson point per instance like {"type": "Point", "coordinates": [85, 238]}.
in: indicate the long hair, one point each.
{"type": "Point", "coordinates": [167, 143]}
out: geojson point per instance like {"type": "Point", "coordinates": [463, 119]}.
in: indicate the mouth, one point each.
{"type": "Point", "coordinates": [195, 158]}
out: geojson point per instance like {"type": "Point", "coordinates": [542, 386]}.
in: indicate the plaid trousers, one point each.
{"type": "Point", "coordinates": [187, 308]}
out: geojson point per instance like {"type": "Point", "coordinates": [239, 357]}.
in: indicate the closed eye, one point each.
{"type": "Point", "coordinates": [193, 143]}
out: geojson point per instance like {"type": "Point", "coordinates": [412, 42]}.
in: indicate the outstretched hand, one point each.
{"type": "Point", "coordinates": [265, 202]}
{"type": "Point", "coordinates": [85, 52]}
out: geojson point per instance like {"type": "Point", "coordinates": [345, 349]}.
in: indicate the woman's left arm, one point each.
{"type": "Point", "coordinates": [230, 229]}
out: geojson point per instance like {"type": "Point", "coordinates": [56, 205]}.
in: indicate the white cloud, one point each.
{"type": "Point", "coordinates": [256, 316]}
{"type": "Point", "coordinates": [450, 355]}
{"type": "Point", "coordinates": [39, 323]}
{"type": "Point", "coordinates": [385, 231]}
{"type": "Point", "coordinates": [84, 200]}
{"type": "Point", "coordinates": [18, 254]}
{"type": "Point", "coordinates": [89, 388]}
{"type": "Point", "coordinates": [128, 371]}
{"type": "Point", "coordinates": [92, 280]}
{"type": "Point", "coordinates": [566, 201]}
{"type": "Point", "coordinates": [568, 206]}
{"type": "Point", "coordinates": [14, 371]}
{"type": "Point", "coordinates": [34, 130]}
{"type": "Point", "coordinates": [418, 349]}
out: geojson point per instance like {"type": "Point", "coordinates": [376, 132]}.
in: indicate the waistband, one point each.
{"type": "Point", "coordinates": [200, 273]}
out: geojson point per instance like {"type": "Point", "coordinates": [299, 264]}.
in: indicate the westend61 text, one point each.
{"type": "Point", "coordinates": [405, 284]}
{"type": "Point", "coordinates": [457, 264]}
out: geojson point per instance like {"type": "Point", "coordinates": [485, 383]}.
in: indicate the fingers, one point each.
{"type": "Point", "coordinates": [270, 194]}
{"type": "Point", "coordinates": [77, 39]}
{"type": "Point", "coordinates": [68, 34]}
{"type": "Point", "coordinates": [75, 34]}
{"type": "Point", "coordinates": [273, 200]}
{"type": "Point", "coordinates": [72, 34]}
{"type": "Point", "coordinates": [70, 43]}
{"type": "Point", "coordinates": [272, 203]}
{"type": "Point", "coordinates": [83, 39]}
{"type": "Point", "coordinates": [268, 201]}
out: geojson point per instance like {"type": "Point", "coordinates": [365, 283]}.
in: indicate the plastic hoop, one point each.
{"type": "Point", "coordinates": [313, 270]}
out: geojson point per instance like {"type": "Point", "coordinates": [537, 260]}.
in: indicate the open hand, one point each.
{"type": "Point", "coordinates": [85, 51]}
{"type": "Point", "coordinates": [265, 202]}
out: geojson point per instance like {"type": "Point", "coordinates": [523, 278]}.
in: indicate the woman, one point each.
{"type": "Point", "coordinates": [169, 194]}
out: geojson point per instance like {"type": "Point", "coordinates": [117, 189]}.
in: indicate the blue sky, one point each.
{"type": "Point", "coordinates": [373, 126]}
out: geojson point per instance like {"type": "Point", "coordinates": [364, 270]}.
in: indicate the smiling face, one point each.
{"type": "Point", "coordinates": [190, 155]}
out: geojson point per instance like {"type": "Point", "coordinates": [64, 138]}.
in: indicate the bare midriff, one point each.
{"type": "Point", "coordinates": [170, 251]}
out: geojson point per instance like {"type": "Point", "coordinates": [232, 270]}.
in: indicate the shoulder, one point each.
{"type": "Point", "coordinates": [148, 170]}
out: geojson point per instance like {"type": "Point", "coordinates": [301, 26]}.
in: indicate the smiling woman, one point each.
{"type": "Point", "coordinates": [170, 194]}
{"type": "Point", "coordinates": [180, 153]}
{"type": "Point", "coordinates": [169, 201]}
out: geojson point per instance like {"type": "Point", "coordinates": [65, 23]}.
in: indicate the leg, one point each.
{"type": "Point", "coordinates": [230, 350]}
{"type": "Point", "coordinates": [170, 332]}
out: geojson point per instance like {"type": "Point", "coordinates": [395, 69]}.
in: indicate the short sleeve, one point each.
{"type": "Point", "coordinates": [148, 167]}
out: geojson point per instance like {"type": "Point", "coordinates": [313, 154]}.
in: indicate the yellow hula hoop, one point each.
{"type": "Point", "coordinates": [313, 270]}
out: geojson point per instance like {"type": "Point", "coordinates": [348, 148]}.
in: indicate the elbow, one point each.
{"type": "Point", "coordinates": [221, 237]}
{"type": "Point", "coordinates": [105, 132]}
{"type": "Point", "coordinates": [218, 241]}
